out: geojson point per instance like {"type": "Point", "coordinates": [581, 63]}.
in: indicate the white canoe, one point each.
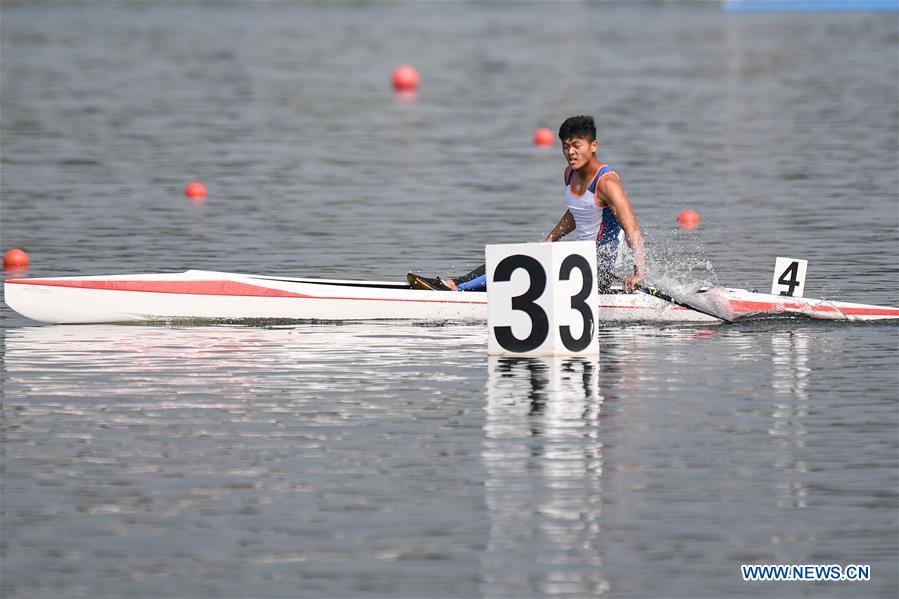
{"type": "Point", "coordinates": [207, 296]}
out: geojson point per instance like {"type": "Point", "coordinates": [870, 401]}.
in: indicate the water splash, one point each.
{"type": "Point", "coordinates": [678, 267]}
{"type": "Point", "coordinates": [679, 260]}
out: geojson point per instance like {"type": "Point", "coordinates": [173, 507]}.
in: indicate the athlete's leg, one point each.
{"type": "Point", "coordinates": [476, 273]}
{"type": "Point", "coordinates": [475, 280]}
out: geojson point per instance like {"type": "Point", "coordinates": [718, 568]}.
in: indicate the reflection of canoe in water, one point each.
{"type": "Point", "coordinates": [197, 295]}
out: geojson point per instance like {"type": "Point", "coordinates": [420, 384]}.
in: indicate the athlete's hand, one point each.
{"type": "Point", "coordinates": [630, 283]}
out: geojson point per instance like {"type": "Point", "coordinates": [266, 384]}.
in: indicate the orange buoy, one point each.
{"type": "Point", "coordinates": [15, 259]}
{"type": "Point", "coordinates": [405, 78]}
{"type": "Point", "coordinates": [195, 191]}
{"type": "Point", "coordinates": [688, 219]}
{"type": "Point", "coordinates": [544, 137]}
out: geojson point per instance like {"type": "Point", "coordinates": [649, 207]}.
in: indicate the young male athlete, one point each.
{"type": "Point", "coordinates": [598, 209]}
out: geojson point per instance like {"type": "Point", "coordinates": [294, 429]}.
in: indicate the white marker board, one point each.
{"type": "Point", "coordinates": [789, 277]}
{"type": "Point", "coordinates": [542, 299]}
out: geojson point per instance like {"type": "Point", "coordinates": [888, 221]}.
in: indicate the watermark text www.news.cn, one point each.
{"type": "Point", "coordinates": [805, 572]}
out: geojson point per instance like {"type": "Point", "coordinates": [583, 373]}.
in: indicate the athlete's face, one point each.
{"type": "Point", "coordinates": [578, 151]}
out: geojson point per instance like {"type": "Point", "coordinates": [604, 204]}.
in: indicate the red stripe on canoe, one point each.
{"type": "Point", "coordinates": [183, 287]}
{"type": "Point", "coordinates": [622, 307]}
{"type": "Point", "coordinates": [741, 306]}
{"type": "Point", "coordinates": [748, 307]}
{"type": "Point", "coordinates": [215, 288]}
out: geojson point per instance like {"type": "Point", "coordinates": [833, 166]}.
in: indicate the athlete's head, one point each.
{"type": "Point", "coordinates": [578, 135]}
{"type": "Point", "coordinates": [582, 127]}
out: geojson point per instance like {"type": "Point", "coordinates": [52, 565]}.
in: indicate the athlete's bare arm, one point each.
{"type": "Point", "coordinates": [565, 226]}
{"type": "Point", "coordinates": [612, 193]}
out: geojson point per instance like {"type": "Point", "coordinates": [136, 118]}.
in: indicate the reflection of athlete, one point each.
{"type": "Point", "coordinates": [598, 209]}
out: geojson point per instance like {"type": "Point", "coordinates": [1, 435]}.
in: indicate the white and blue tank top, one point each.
{"type": "Point", "coordinates": [596, 222]}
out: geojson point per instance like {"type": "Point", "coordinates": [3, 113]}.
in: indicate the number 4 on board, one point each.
{"type": "Point", "coordinates": [789, 277]}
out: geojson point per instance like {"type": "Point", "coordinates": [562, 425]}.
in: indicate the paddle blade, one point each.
{"type": "Point", "coordinates": [706, 301]}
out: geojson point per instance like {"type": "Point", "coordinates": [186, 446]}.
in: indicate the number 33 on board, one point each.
{"type": "Point", "coordinates": [542, 299]}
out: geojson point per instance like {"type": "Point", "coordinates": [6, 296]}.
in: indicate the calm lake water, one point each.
{"type": "Point", "coordinates": [396, 460]}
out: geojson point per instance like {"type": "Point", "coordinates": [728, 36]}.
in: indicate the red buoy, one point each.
{"type": "Point", "coordinates": [544, 137]}
{"type": "Point", "coordinates": [15, 259]}
{"type": "Point", "coordinates": [405, 78]}
{"type": "Point", "coordinates": [688, 219]}
{"type": "Point", "coordinates": [195, 191]}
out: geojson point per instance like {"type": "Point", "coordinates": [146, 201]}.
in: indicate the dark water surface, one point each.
{"type": "Point", "coordinates": [395, 460]}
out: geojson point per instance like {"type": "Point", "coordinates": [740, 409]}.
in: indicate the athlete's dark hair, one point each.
{"type": "Point", "coordinates": [578, 126]}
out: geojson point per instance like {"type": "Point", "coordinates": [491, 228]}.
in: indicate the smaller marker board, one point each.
{"type": "Point", "coordinates": [542, 299]}
{"type": "Point", "coordinates": [789, 277]}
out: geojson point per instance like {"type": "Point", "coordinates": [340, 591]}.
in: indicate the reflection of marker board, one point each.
{"type": "Point", "coordinates": [565, 388]}
{"type": "Point", "coordinates": [542, 299]}
{"type": "Point", "coordinates": [542, 455]}
{"type": "Point", "coordinates": [789, 277]}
